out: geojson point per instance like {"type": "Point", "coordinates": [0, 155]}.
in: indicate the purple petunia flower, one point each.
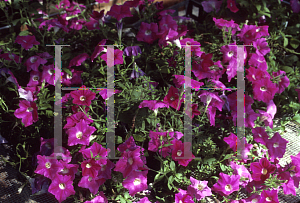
{"type": "Point", "coordinates": [183, 196]}
{"type": "Point", "coordinates": [136, 182]}
{"type": "Point", "coordinates": [91, 183]}
{"type": "Point", "coordinates": [262, 170]}
{"type": "Point", "coordinates": [80, 134]}
{"type": "Point", "coordinates": [118, 57]}
{"type": "Point", "coordinates": [34, 62]}
{"type": "Point", "coordinates": [136, 73]}
{"type": "Point", "coordinates": [101, 197]}
{"type": "Point", "coordinates": [69, 169]}
{"type": "Point", "coordinates": [48, 74]}
{"type": "Point", "coordinates": [269, 196]}
{"type": "Point", "coordinates": [283, 81]}
{"type": "Point", "coordinates": [77, 61]}
{"type": "Point", "coordinates": [261, 46]}
{"type": "Point", "coordinates": [48, 167]}
{"type": "Point", "coordinates": [27, 112]}
{"type": "Point", "coordinates": [153, 104]}
{"type": "Point", "coordinates": [295, 5]}
{"type": "Point", "coordinates": [147, 32]}
{"type": "Point", "coordinates": [11, 57]}
{"type": "Point", "coordinates": [97, 151]}
{"type": "Point", "coordinates": [69, 80]}
{"type": "Point", "coordinates": [276, 146]}
{"type": "Point", "coordinates": [90, 168]}
{"type": "Point", "coordinates": [199, 189]}
{"type": "Point", "coordinates": [132, 50]}
{"type": "Point", "coordinates": [98, 49]}
{"type": "Point", "coordinates": [62, 187]}
{"type": "Point", "coordinates": [211, 5]}
{"type": "Point", "coordinates": [243, 172]}
{"type": "Point", "coordinates": [172, 98]}
{"type": "Point", "coordinates": [227, 184]}
{"type": "Point", "coordinates": [83, 96]}
{"type": "Point", "coordinates": [35, 79]}
{"type": "Point", "coordinates": [39, 184]}
{"type": "Point", "coordinates": [75, 118]}
{"type": "Point", "coordinates": [119, 12]}
{"type": "Point", "coordinates": [27, 42]}
{"type": "Point", "coordinates": [264, 90]}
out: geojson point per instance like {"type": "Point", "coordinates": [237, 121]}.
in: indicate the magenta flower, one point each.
{"type": "Point", "coordinates": [101, 197]}
{"type": "Point", "coordinates": [90, 168]}
{"type": "Point", "coordinates": [147, 32]}
{"type": "Point", "coordinates": [99, 153]}
{"type": "Point", "coordinates": [261, 46]}
{"type": "Point", "coordinates": [68, 169]}
{"type": "Point", "coordinates": [211, 5]}
{"type": "Point", "coordinates": [259, 62]}
{"type": "Point", "coordinates": [80, 134]}
{"type": "Point", "coordinates": [77, 61]}
{"type": "Point", "coordinates": [167, 23]}
{"type": "Point", "coordinates": [183, 197]}
{"type": "Point", "coordinates": [48, 167]}
{"type": "Point", "coordinates": [295, 5]}
{"type": "Point", "coordinates": [119, 12]}
{"type": "Point", "coordinates": [229, 53]}
{"type": "Point", "coordinates": [283, 81]}
{"type": "Point", "coordinates": [97, 15]}
{"type": "Point", "coordinates": [27, 112]}
{"type": "Point", "coordinates": [232, 140]}
{"type": "Point", "coordinates": [248, 34]}
{"type": "Point", "coordinates": [62, 152]}
{"type": "Point", "coordinates": [98, 49]}
{"type": "Point", "coordinates": [77, 24]}
{"type": "Point", "coordinates": [178, 151]}
{"type": "Point", "coordinates": [129, 163]}
{"type": "Point", "coordinates": [132, 50]}
{"type": "Point", "coordinates": [75, 118]}
{"type": "Point", "coordinates": [262, 170]}
{"type": "Point", "coordinates": [232, 6]}
{"type": "Point", "coordinates": [172, 98]}
{"type": "Point", "coordinates": [62, 187]}
{"type": "Point", "coordinates": [253, 198]}
{"type": "Point", "coordinates": [106, 94]}
{"type": "Point", "coordinates": [69, 80]}
{"type": "Point", "coordinates": [227, 184]}
{"type": "Point", "coordinates": [92, 24]}
{"type": "Point", "coordinates": [227, 25]}
{"type": "Point", "coordinates": [144, 200]}
{"type": "Point", "coordinates": [136, 182]}
{"type": "Point", "coordinates": [199, 189]}
{"type": "Point", "coordinates": [260, 135]}
{"type": "Point", "coordinates": [155, 142]}
{"type": "Point", "coordinates": [195, 49]}
{"type": "Point", "coordinates": [34, 62]}
{"type": "Point", "coordinates": [250, 117]}
{"type": "Point", "coordinates": [48, 74]}
{"type": "Point", "coordinates": [27, 42]}
{"type": "Point", "coordinates": [153, 104]}
{"type": "Point", "coordinates": [128, 144]}
{"type": "Point", "coordinates": [276, 146]}
{"type": "Point", "coordinates": [264, 90]}
{"type": "Point", "coordinates": [83, 96]}
{"type": "Point", "coordinates": [11, 57]}
{"type": "Point", "coordinates": [269, 196]}
{"type": "Point", "coordinates": [105, 171]}
{"type": "Point", "coordinates": [255, 74]}
{"type": "Point", "coordinates": [118, 56]}
{"type": "Point", "coordinates": [243, 172]}
{"type": "Point", "coordinates": [47, 146]}
{"type": "Point", "coordinates": [179, 80]}
{"type": "Point", "coordinates": [35, 79]}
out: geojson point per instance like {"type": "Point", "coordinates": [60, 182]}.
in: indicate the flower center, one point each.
{"type": "Point", "coordinates": [275, 145]}
{"type": "Point", "coordinates": [137, 181]}
{"type": "Point", "coordinates": [88, 165]}
{"type": "Point", "coordinates": [228, 187]}
{"type": "Point", "coordinates": [50, 71]}
{"type": "Point", "coordinates": [79, 135]}
{"type": "Point", "coordinates": [180, 201]}
{"type": "Point", "coordinates": [188, 43]}
{"type": "Point", "coordinates": [103, 168]}
{"type": "Point", "coordinates": [76, 23]}
{"type": "Point", "coordinates": [257, 30]}
{"type": "Point", "coordinates": [230, 4]}
{"type": "Point", "coordinates": [69, 76]}
{"type": "Point", "coordinates": [179, 152]}
{"type": "Point", "coordinates": [33, 59]}
{"type": "Point", "coordinates": [254, 200]}
{"type": "Point", "coordinates": [253, 76]}
{"type": "Point", "coordinates": [36, 78]}
{"type": "Point", "coordinates": [172, 98]}
{"type": "Point", "coordinates": [65, 170]}
{"type": "Point", "coordinates": [47, 164]}
{"type": "Point", "coordinates": [148, 32]}
{"type": "Point", "coordinates": [48, 145]}
{"type": "Point", "coordinates": [259, 61]}
{"type": "Point", "coordinates": [268, 199]}
{"type": "Point", "coordinates": [292, 173]}
{"type": "Point", "coordinates": [264, 171]}
{"type": "Point", "coordinates": [90, 179]}
{"type": "Point", "coordinates": [82, 98]}
{"type": "Point", "coordinates": [200, 187]}
{"type": "Point", "coordinates": [29, 109]}
{"type": "Point", "coordinates": [130, 161]}
{"type": "Point", "coordinates": [247, 36]}
{"type": "Point", "coordinates": [62, 186]}
{"type": "Point", "coordinates": [263, 88]}
{"type": "Point", "coordinates": [230, 54]}
{"type": "Point", "coordinates": [258, 47]}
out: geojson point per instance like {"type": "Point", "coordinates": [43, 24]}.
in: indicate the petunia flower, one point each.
{"type": "Point", "coordinates": [80, 134]}
{"type": "Point", "coordinates": [262, 170]}
{"type": "Point", "coordinates": [232, 6]}
{"type": "Point", "coordinates": [269, 196]}
{"type": "Point", "coordinates": [264, 90]}
{"type": "Point", "coordinates": [11, 57]}
{"type": "Point", "coordinates": [227, 25]}
{"type": "Point", "coordinates": [77, 61]}
{"type": "Point", "coordinates": [62, 187]}
{"type": "Point", "coordinates": [183, 197]}
{"type": "Point", "coordinates": [26, 42]}
{"type": "Point", "coordinates": [250, 117]}
{"type": "Point", "coordinates": [48, 167]}
{"type": "Point", "coordinates": [47, 146]}
{"type": "Point", "coordinates": [48, 74]}
{"type": "Point", "coordinates": [76, 24]}
{"type": "Point", "coordinates": [211, 5]}
{"type": "Point", "coordinates": [92, 24]}
{"type": "Point", "coordinates": [69, 80]}
{"type": "Point", "coordinates": [132, 50]}
{"type": "Point", "coordinates": [172, 98]}
{"type": "Point", "coordinates": [261, 46]}
{"type": "Point", "coordinates": [153, 104]}
{"type": "Point", "coordinates": [93, 185]}
{"type": "Point", "coordinates": [178, 149]}
{"type": "Point", "coordinates": [99, 153]}
{"type": "Point", "coordinates": [229, 53]}
{"type": "Point", "coordinates": [167, 23]}
{"type": "Point", "coordinates": [119, 12]}
{"type": "Point", "coordinates": [136, 182]}
{"type": "Point", "coordinates": [75, 118]}
{"type": "Point", "coordinates": [105, 171]}
{"type": "Point", "coordinates": [34, 62]}
{"type": "Point", "coordinates": [260, 135]}
{"type": "Point", "coordinates": [283, 81]}
{"type": "Point", "coordinates": [253, 198]}
{"type": "Point", "coordinates": [268, 116]}
{"type": "Point", "coordinates": [136, 72]}
{"type": "Point", "coordinates": [98, 49]}
{"type": "Point", "coordinates": [158, 139]}
{"type": "Point", "coordinates": [106, 94]}
{"type": "Point", "coordinates": [179, 80]}
{"type": "Point", "coordinates": [83, 96]}
{"type": "Point", "coordinates": [248, 33]}
{"type": "Point", "coordinates": [196, 50]}
{"type": "Point", "coordinates": [199, 189]}
{"type": "Point", "coordinates": [143, 200]}
{"type": "Point", "coordinates": [27, 112]}
{"type": "Point", "coordinates": [276, 146]}
{"type": "Point", "coordinates": [39, 184]}
{"type": "Point", "coordinates": [147, 32]}
{"type": "Point", "coordinates": [295, 5]}
{"type": "Point", "coordinates": [255, 74]}
{"type": "Point", "coordinates": [243, 172]}
{"type": "Point", "coordinates": [62, 154]}
{"type": "Point", "coordinates": [68, 169]}
{"type": "Point", "coordinates": [118, 56]}
{"type": "Point", "coordinates": [90, 168]}
{"type": "Point", "coordinates": [259, 62]}
{"type": "Point", "coordinates": [226, 184]}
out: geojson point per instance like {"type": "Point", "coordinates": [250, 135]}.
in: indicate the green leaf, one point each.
{"type": "Point", "coordinates": [66, 56]}
{"type": "Point", "coordinates": [285, 41]}
{"type": "Point", "coordinates": [209, 161]}
{"type": "Point", "coordinates": [297, 118]}
{"type": "Point", "coordinates": [223, 168]}
{"type": "Point", "coordinates": [14, 22]}
{"type": "Point", "coordinates": [68, 71]}
{"type": "Point", "coordinates": [119, 140]}
{"type": "Point", "coordinates": [258, 7]}
{"type": "Point", "coordinates": [126, 195]}
{"type": "Point", "coordinates": [295, 43]}
{"type": "Point", "coordinates": [138, 138]}
{"type": "Point", "coordinates": [228, 156]}
{"type": "Point", "coordinates": [287, 69]}
{"type": "Point", "coordinates": [178, 175]}
{"type": "Point", "coordinates": [158, 177]}
{"type": "Point", "coordinates": [172, 166]}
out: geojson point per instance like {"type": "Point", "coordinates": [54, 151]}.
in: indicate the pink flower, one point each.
{"type": "Point", "coordinates": [260, 135]}
{"type": "Point", "coordinates": [136, 182]}
{"type": "Point", "coordinates": [92, 24]}
{"type": "Point", "coordinates": [147, 32]}
{"type": "Point", "coordinates": [106, 94]}
{"type": "Point", "coordinates": [262, 170]}
{"type": "Point", "coordinates": [77, 61]}
{"type": "Point", "coordinates": [243, 172]}
{"type": "Point", "coordinates": [144, 200]}
{"type": "Point", "coordinates": [153, 104]}
{"type": "Point", "coordinates": [227, 25]}
{"type": "Point", "coordinates": [179, 80]}
{"type": "Point", "coordinates": [101, 197]}
{"type": "Point", "coordinates": [80, 134]}
{"type": "Point", "coordinates": [283, 81]}
{"type": "Point", "coordinates": [83, 96]}
{"type": "Point", "coordinates": [248, 34]}
{"type": "Point", "coordinates": [295, 4]}
{"type": "Point", "coordinates": [48, 74]}
{"type": "Point", "coordinates": [119, 12]}
{"type": "Point", "coordinates": [226, 184]}
{"type": "Point", "coordinates": [62, 152]}
{"type": "Point", "coordinates": [98, 152]}
{"type": "Point", "coordinates": [155, 142]}
{"type": "Point", "coordinates": [178, 151]}
{"type": "Point", "coordinates": [194, 49]}
{"type": "Point", "coordinates": [264, 90]}
{"type": "Point", "coordinates": [102, 1]}
{"type": "Point", "coordinates": [253, 198]}
{"type": "Point", "coordinates": [118, 56]}
{"type": "Point", "coordinates": [232, 6]}
{"type": "Point", "coordinates": [62, 187]}
{"type": "Point", "coordinates": [90, 168]}
{"type": "Point", "coordinates": [34, 62]}
{"type": "Point", "coordinates": [27, 112]}
{"type": "Point", "coordinates": [97, 15]}
{"type": "Point", "coordinates": [105, 171]}
{"type": "Point", "coordinates": [76, 24]}
{"type": "Point", "coordinates": [259, 62]}
{"type": "Point", "coordinates": [172, 98]}
{"type": "Point", "coordinates": [68, 169]}
{"type": "Point", "coordinates": [166, 23]}
{"type": "Point", "coordinates": [261, 46]}
{"type": "Point", "coordinates": [199, 189]}
{"type": "Point", "coordinates": [69, 80]}
{"type": "Point", "coordinates": [128, 144]}
{"type": "Point", "coordinates": [276, 146]}
{"type": "Point", "coordinates": [35, 79]}
{"type": "Point", "coordinates": [98, 49]}
{"type": "Point", "coordinates": [211, 5]}
{"type": "Point", "coordinates": [27, 42]}
{"type": "Point", "coordinates": [183, 197]}
{"type": "Point", "coordinates": [229, 53]}
{"type": "Point", "coordinates": [254, 74]}
{"type": "Point", "coordinates": [48, 167]}
{"type": "Point", "coordinates": [11, 57]}
{"type": "Point", "coordinates": [269, 196]}
{"type": "Point", "coordinates": [129, 163]}
{"type": "Point", "coordinates": [75, 118]}
{"type": "Point", "coordinates": [261, 31]}
{"type": "Point", "coordinates": [250, 117]}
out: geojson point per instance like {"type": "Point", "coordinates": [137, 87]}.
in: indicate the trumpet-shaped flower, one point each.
{"type": "Point", "coordinates": [119, 12]}
{"type": "Point", "coordinates": [77, 61]}
{"type": "Point", "coordinates": [153, 104]}
{"type": "Point", "coordinates": [283, 81]}
{"type": "Point", "coordinates": [243, 172]}
{"type": "Point", "coordinates": [118, 56]}
{"type": "Point", "coordinates": [136, 182]}
{"type": "Point", "coordinates": [199, 189]}
{"type": "Point", "coordinates": [269, 196]}
{"type": "Point", "coordinates": [227, 184]}
{"type": "Point", "coordinates": [80, 134]}
{"type": "Point", "coordinates": [90, 168]}
{"type": "Point", "coordinates": [75, 118]}
{"type": "Point", "coordinates": [68, 169]}
{"type": "Point", "coordinates": [261, 46]}
{"type": "Point", "coordinates": [276, 146]}
{"type": "Point", "coordinates": [34, 62]}
{"type": "Point", "coordinates": [98, 49]}
{"type": "Point", "coordinates": [101, 197]}
{"type": "Point", "coordinates": [83, 96]}
{"type": "Point", "coordinates": [264, 90]}
{"type": "Point", "coordinates": [232, 6]}
{"type": "Point", "coordinates": [98, 152]}
{"type": "Point", "coordinates": [105, 171]}
{"type": "Point", "coordinates": [262, 170]}
{"type": "Point", "coordinates": [48, 74]}
{"type": "Point", "coordinates": [211, 5]}
{"type": "Point", "coordinates": [172, 98]}
{"type": "Point", "coordinates": [295, 5]}
{"type": "Point", "coordinates": [178, 152]}
{"type": "Point", "coordinates": [26, 42]}
{"type": "Point", "coordinates": [27, 112]}
{"type": "Point", "coordinates": [48, 167]}
{"type": "Point", "coordinates": [35, 79]}
{"type": "Point", "coordinates": [147, 32]}
{"type": "Point", "coordinates": [259, 61]}
{"type": "Point", "coordinates": [69, 80]}
{"type": "Point", "coordinates": [183, 197]}
{"type": "Point", "coordinates": [62, 187]}
{"type": "Point", "coordinates": [260, 135]}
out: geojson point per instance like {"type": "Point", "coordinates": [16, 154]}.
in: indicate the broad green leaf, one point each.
{"type": "Point", "coordinates": [285, 41]}
{"type": "Point", "coordinates": [172, 166]}
{"type": "Point", "coordinates": [223, 168]}
{"type": "Point", "coordinates": [297, 118]}
{"type": "Point", "coordinates": [287, 69]}
{"type": "Point", "coordinates": [209, 161]}
{"type": "Point", "coordinates": [294, 43]}
{"type": "Point", "coordinates": [68, 71]}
